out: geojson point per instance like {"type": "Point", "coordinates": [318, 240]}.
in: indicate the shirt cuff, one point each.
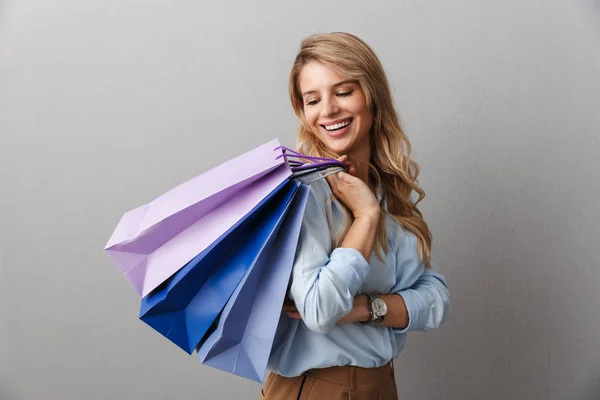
{"type": "Point", "coordinates": [417, 305]}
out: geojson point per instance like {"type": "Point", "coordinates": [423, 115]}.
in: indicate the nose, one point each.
{"type": "Point", "coordinates": [330, 107]}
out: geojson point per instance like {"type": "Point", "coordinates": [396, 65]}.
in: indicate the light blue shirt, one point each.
{"type": "Point", "coordinates": [325, 282]}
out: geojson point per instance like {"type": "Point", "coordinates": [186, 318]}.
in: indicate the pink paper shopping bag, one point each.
{"type": "Point", "coordinates": [154, 241]}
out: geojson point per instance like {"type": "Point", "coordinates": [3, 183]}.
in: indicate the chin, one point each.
{"type": "Point", "coordinates": [338, 146]}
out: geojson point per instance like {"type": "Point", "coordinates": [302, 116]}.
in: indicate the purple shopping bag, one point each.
{"type": "Point", "coordinates": [154, 241]}
{"type": "Point", "coordinates": [243, 337]}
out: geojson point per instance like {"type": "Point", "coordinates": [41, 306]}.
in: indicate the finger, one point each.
{"type": "Point", "coordinates": [289, 307]}
{"type": "Point", "coordinates": [344, 159]}
{"type": "Point", "coordinates": [294, 315]}
{"type": "Point", "coordinates": [344, 177]}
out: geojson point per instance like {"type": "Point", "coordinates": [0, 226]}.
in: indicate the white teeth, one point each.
{"type": "Point", "coordinates": [338, 126]}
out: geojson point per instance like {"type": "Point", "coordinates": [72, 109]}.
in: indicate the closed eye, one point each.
{"type": "Point", "coordinates": [341, 94]}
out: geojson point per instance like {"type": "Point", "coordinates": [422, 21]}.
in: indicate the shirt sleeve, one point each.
{"type": "Point", "coordinates": [324, 285]}
{"type": "Point", "coordinates": [425, 292]}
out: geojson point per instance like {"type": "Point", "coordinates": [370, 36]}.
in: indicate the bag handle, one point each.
{"type": "Point", "coordinates": [297, 165]}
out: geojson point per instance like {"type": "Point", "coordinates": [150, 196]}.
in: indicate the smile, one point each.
{"type": "Point", "coordinates": [338, 125]}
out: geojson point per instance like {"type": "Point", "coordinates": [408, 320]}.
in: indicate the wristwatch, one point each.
{"type": "Point", "coordinates": [377, 309]}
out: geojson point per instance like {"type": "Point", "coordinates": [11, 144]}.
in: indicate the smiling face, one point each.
{"type": "Point", "coordinates": [335, 109]}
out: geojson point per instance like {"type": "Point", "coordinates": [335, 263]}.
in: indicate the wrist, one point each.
{"type": "Point", "coordinates": [377, 309]}
{"type": "Point", "coordinates": [363, 313]}
{"type": "Point", "coordinates": [371, 214]}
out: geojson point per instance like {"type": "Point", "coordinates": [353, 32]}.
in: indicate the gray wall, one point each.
{"type": "Point", "coordinates": [105, 105]}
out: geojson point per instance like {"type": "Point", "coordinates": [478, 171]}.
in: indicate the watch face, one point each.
{"type": "Point", "coordinates": [379, 307]}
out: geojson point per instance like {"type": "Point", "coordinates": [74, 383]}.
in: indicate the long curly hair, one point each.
{"type": "Point", "coordinates": [391, 169]}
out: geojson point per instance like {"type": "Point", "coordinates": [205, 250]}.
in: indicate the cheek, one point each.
{"type": "Point", "coordinates": [365, 113]}
{"type": "Point", "coordinates": [356, 107]}
{"type": "Point", "coordinates": [363, 109]}
{"type": "Point", "coordinates": [310, 116]}
{"type": "Point", "coordinates": [366, 121]}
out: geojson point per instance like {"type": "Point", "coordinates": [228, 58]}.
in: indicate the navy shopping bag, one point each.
{"type": "Point", "coordinates": [184, 307]}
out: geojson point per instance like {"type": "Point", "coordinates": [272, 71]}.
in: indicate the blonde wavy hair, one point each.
{"type": "Point", "coordinates": [391, 169]}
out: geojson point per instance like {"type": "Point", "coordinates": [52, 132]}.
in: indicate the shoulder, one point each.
{"type": "Point", "coordinates": [315, 214]}
{"type": "Point", "coordinates": [320, 192]}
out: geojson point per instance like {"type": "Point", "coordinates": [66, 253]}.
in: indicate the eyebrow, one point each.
{"type": "Point", "coordinates": [334, 86]}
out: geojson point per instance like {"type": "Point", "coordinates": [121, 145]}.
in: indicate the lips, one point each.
{"type": "Point", "coordinates": [340, 131]}
{"type": "Point", "coordinates": [343, 122]}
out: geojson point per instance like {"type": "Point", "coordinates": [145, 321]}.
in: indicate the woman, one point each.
{"type": "Point", "coordinates": [350, 311]}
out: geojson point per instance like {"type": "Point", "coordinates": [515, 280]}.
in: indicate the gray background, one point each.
{"type": "Point", "coordinates": [105, 105]}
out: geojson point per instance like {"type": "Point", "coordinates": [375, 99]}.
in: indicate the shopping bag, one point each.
{"type": "Point", "coordinates": [242, 339]}
{"type": "Point", "coordinates": [197, 213]}
{"type": "Point", "coordinates": [185, 306]}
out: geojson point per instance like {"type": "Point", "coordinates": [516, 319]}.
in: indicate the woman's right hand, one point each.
{"type": "Point", "coordinates": [353, 192]}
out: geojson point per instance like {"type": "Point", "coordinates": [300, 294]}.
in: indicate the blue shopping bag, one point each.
{"type": "Point", "coordinates": [242, 339]}
{"type": "Point", "coordinates": [184, 307]}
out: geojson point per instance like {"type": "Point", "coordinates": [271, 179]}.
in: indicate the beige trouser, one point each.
{"type": "Point", "coordinates": [334, 383]}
